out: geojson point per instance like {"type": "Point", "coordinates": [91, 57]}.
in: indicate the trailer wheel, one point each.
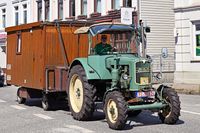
{"type": "Point", "coordinates": [46, 102]}
{"type": "Point", "coordinates": [170, 114]}
{"type": "Point", "coordinates": [20, 99]}
{"type": "Point", "coordinates": [81, 94]}
{"type": "Point", "coordinates": [134, 113]}
{"type": "Point", "coordinates": [115, 109]}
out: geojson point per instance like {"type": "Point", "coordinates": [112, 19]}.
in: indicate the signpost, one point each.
{"type": "Point", "coordinates": [126, 15]}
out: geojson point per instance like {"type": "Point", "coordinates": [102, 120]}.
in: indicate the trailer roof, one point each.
{"type": "Point", "coordinates": [103, 28]}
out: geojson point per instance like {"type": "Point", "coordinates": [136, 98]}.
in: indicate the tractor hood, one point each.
{"type": "Point", "coordinates": [103, 64]}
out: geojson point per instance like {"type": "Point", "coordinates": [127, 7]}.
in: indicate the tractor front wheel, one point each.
{"type": "Point", "coordinates": [170, 114]}
{"type": "Point", "coordinates": [115, 109]}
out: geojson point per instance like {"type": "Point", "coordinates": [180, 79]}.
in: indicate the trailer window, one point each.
{"type": "Point", "coordinates": [19, 43]}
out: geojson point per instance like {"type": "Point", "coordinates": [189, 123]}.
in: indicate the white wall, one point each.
{"type": "Point", "coordinates": [2, 59]}
{"type": "Point", "coordinates": [10, 18]}
{"type": "Point", "coordinates": [187, 66]}
{"type": "Point", "coordinates": [10, 4]}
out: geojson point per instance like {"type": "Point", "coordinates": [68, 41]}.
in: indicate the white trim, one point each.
{"type": "Point", "coordinates": [2, 101]}
{"type": "Point", "coordinates": [43, 116]}
{"type": "Point", "coordinates": [77, 128]}
{"type": "Point", "coordinates": [190, 112]}
{"type": "Point", "coordinates": [17, 107]}
{"type": "Point", "coordinates": [3, 4]}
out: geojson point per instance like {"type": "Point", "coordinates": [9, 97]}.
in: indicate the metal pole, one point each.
{"type": "Point", "coordinates": [64, 54]}
{"type": "Point", "coordinates": [138, 10]}
{"type": "Point", "coordinates": [143, 41]}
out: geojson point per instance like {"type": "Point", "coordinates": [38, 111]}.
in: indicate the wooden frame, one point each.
{"type": "Point", "coordinates": [19, 43]}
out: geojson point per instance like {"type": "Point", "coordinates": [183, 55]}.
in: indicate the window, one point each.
{"type": "Point", "coordinates": [115, 4]}
{"type": "Point", "coordinates": [127, 3]}
{"type": "Point", "coordinates": [197, 38]}
{"type": "Point", "coordinates": [39, 2]}
{"type": "Point", "coordinates": [25, 13]}
{"type": "Point", "coordinates": [97, 6]}
{"type": "Point", "coordinates": [47, 10]}
{"type": "Point", "coordinates": [60, 9]}
{"type": "Point", "coordinates": [72, 8]}
{"type": "Point", "coordinates": [19, 43]}
{"type": "Point", "coordinates": [84, 7]}
{"type": "Point", "coordinates": [3, 18]}
{"type": "Point", "coordinates": [16, 15]}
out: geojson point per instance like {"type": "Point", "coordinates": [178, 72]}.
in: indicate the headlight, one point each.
{"type": "Point", "coordinates": [125, 76]}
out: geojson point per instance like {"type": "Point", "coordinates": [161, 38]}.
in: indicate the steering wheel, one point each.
{"type": "Point", "coordinates": [103, 51]}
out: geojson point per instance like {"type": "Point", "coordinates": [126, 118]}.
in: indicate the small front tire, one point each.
{"type": "Point", "coordinates": [115, 109]}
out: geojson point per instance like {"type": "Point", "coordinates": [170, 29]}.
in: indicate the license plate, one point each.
{"type": "Point", "coordinates": [150, 94]}
{"type": "Point", "coordinates": [144, 80]}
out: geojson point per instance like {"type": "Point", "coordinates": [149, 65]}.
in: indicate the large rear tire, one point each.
{"type": "Point", "coordinates": [115, 108]}
{"type": "Point", "coordinates": [81, 94]}
{"type": "Point", "coordinates": [170, 114]}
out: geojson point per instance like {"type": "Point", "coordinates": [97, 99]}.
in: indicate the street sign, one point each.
{"type": "Point", "coordinates": [126, 15]}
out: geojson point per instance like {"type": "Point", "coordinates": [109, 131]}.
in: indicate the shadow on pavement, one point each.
{"type": "Point", "coordinates": [146, 118]}
{"type": "Point", "coordinates": [57, 105]}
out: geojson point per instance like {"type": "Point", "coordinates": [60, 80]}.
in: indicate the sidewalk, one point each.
{"type": "Point", "coordinates": [187, 88]}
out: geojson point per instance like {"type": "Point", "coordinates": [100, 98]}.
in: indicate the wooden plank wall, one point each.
{"type": "Point", "coordinates": [41, 48]}
{"type": "Point", "coordinates": [26, 67]}
{"type": "Point", "coordinates": [73, 50]}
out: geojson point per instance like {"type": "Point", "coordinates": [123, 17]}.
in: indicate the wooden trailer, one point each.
{"type": "Point", "coordinates": [38, 56]}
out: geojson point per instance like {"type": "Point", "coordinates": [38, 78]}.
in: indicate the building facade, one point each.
{"type": "Point", "coordinates": [158, 14]}
{"type": "Point", "coordinates": [187, 19]}
{"type": "Point", "coordinates": [12, 12]}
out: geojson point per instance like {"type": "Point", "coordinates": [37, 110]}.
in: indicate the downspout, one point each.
{"type": "Point", "coordinates": [138, 11]}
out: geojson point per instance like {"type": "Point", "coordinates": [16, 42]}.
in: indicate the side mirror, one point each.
{"type": "Point", "coordinates": [147, 29]}
{"type": "Point", "coordinates": [164, 52]}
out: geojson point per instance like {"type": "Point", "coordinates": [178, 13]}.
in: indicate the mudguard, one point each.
{"type": "Point", "coordinates": [90, 72]}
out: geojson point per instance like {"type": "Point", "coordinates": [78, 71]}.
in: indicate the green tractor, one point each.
{"type": "Point", "coordinates": [119, 78]}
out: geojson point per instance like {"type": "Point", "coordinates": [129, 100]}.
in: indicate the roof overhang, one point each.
{"type": "Point", "coordinates": [82, 30]}
{"type": "Point", "coordinates": [104, 28]}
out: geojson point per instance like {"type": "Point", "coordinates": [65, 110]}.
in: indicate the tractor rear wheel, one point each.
{"type": "Point", "coordinates": [115, 109]}
{"type": "Point", "coordinates": [170, 114]}
{"type": "Point", "coordinates": [81, 94]}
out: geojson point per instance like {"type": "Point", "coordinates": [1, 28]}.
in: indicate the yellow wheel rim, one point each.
{"type": "Point", "coordinates": [112, 111]}
{"type": "Point", "coordinates": [76, 93]}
